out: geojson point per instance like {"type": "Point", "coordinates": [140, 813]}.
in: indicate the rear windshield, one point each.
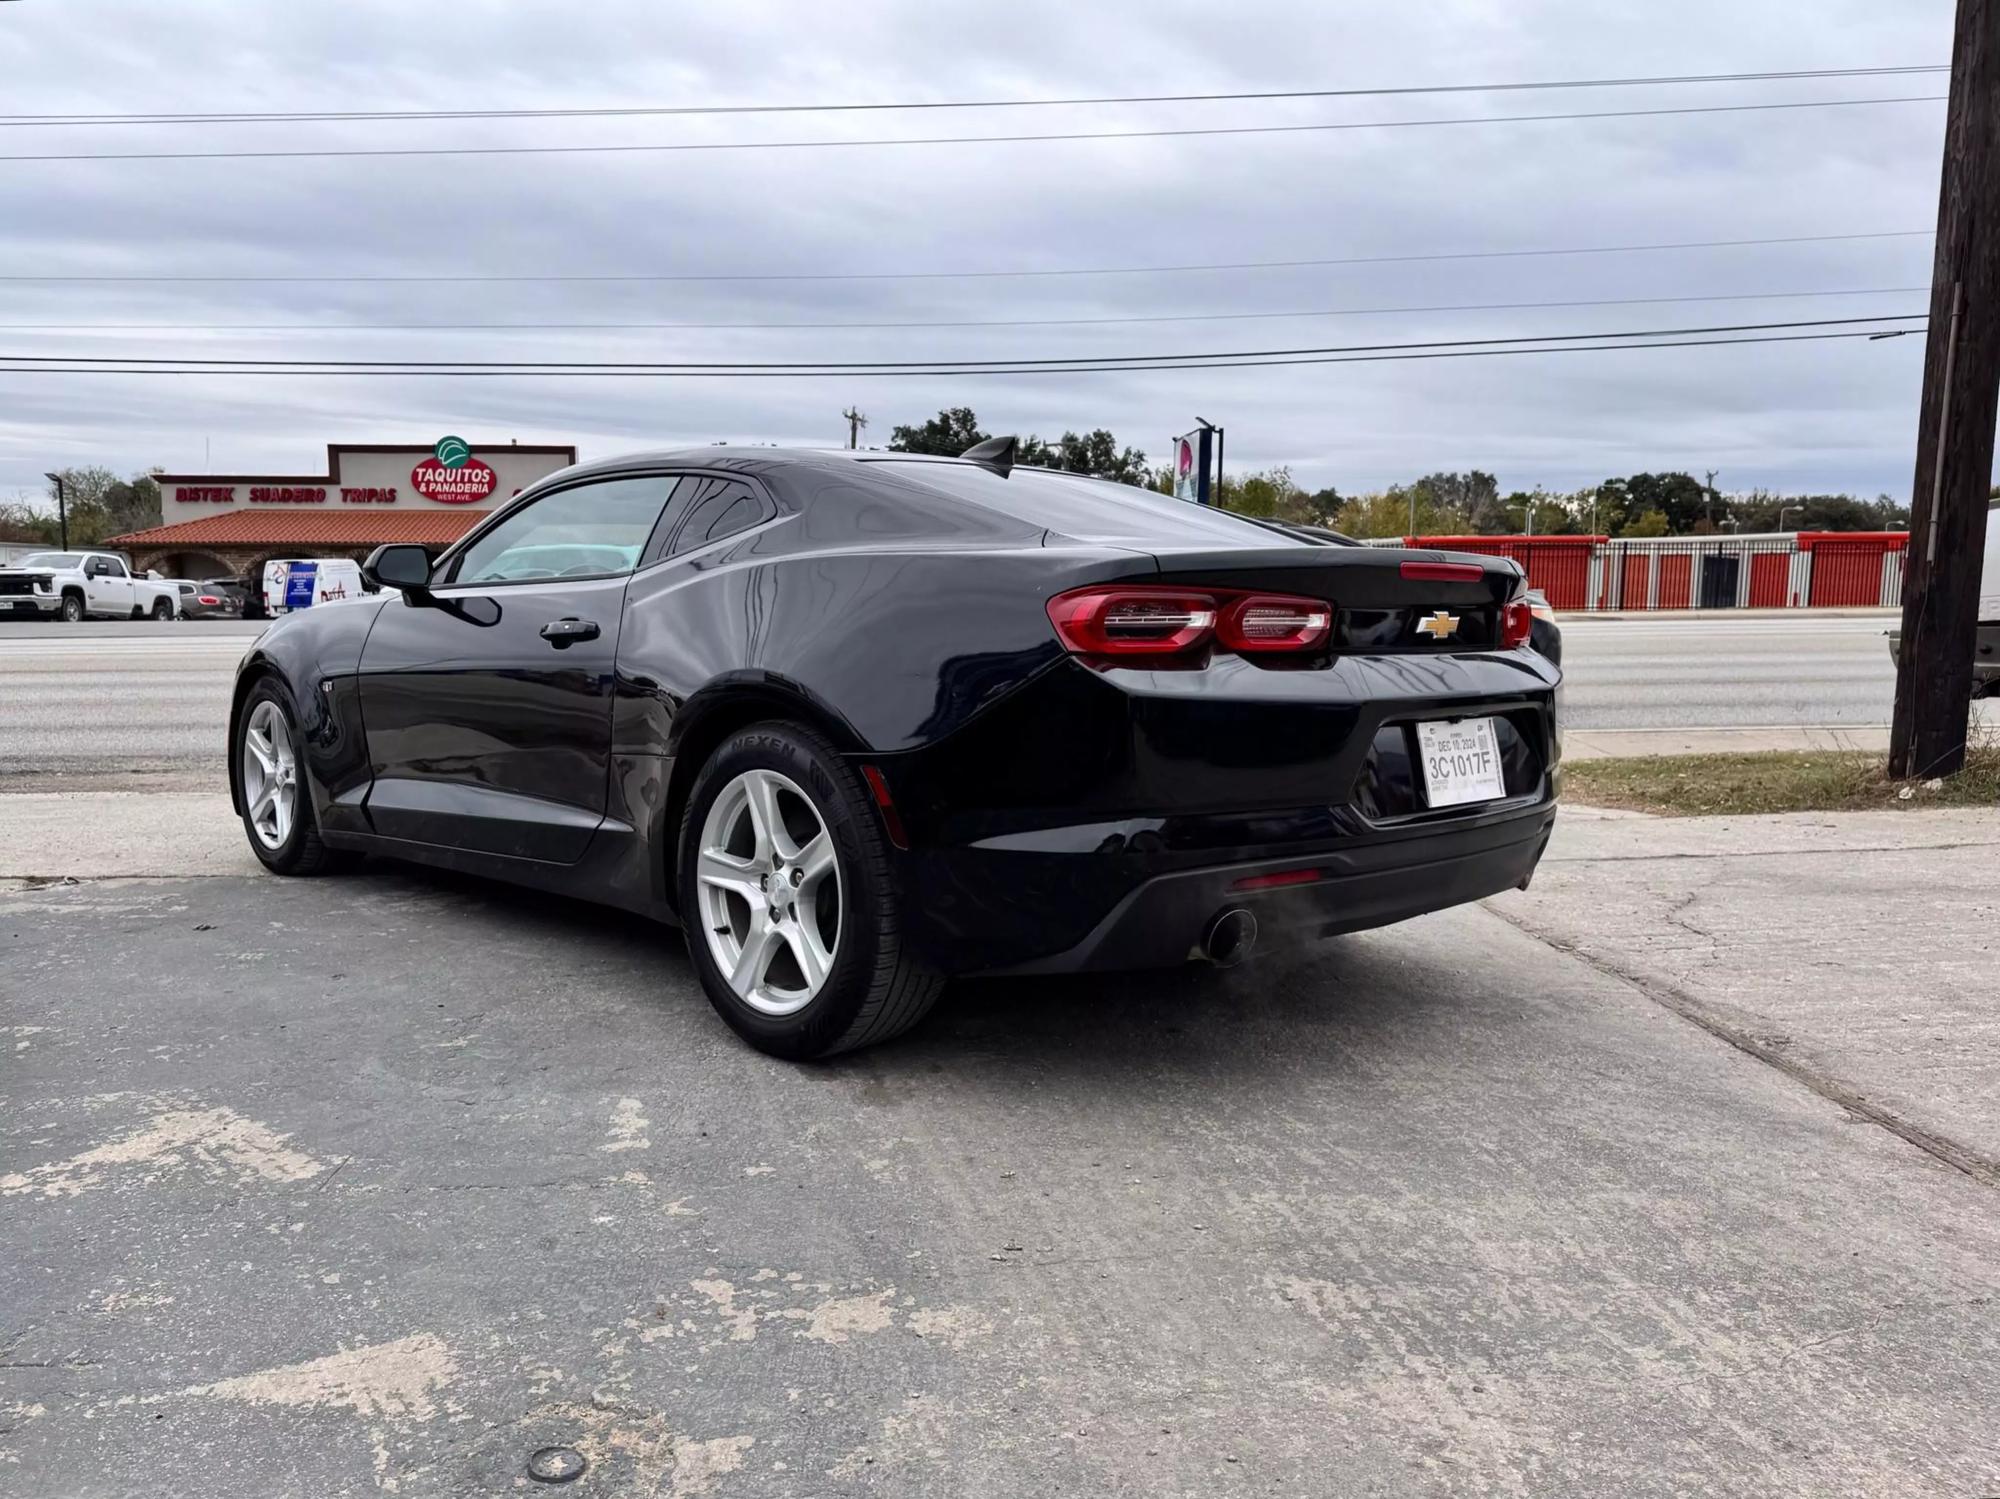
{"type": "Point", "coordinates": [1089, 509]}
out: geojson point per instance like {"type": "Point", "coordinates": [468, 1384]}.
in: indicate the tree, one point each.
{"type": "Point", "coordinates": [948, 434]}
{"type": "Point", "coordinates": [1648, 523]}
{"type": "Point", "coordinates": [20, 521]}
{"type": "Point", "coordinates": [1095, 452]}
{"type": "Point", "coordinates": [1761, 511]}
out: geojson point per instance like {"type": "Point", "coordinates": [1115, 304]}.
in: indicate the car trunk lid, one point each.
{"type": "Point", "coordinates": [1385, 599]}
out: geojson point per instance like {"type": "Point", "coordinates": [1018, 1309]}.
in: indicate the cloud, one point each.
{"type": "Point", "coordinates": [1836, 415]}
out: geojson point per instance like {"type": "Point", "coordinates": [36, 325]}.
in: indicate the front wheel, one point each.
{"type": "Point", "coordinates": [790, 905]}
{"type": "Point", "coordinates": [276, 801]}
{"type": "Point", "coordinates": [72, 608]}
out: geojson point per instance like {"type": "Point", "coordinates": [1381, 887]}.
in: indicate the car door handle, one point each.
{"type": "Point", "coordinates": [563, 633]}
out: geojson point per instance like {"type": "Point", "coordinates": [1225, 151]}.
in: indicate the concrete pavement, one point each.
{"type": "Point", "coordinates": [1861, 950]}
{"type": "Point", "coordinates": [387, 1180]}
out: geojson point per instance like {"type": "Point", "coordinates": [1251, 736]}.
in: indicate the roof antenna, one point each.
{"type": "Point", "coordinates": [996, 454]}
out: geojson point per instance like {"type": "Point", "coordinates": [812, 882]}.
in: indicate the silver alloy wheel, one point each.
{"type": "Point", "coordinates": [768, 885]}
{"type": "Point", "coordinates": [270, 775]}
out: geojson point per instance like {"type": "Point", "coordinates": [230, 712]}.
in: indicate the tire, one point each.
{"type": "Point", "coordinates": [72, 609]}
{"type": "Point", "coordinates": [297, 849]}
{"type": "Point", "coordinates": [872, 988]}
{"type": "Point", "coordinates": [162, 609]}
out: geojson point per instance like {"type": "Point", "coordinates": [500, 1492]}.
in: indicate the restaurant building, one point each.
{"type": "Point", "coordinates": [213, 525]}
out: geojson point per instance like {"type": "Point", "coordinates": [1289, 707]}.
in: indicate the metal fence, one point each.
{"type": "Point", "coordinates": [1813, 569]}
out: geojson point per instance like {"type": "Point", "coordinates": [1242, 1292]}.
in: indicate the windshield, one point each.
{"type": "Point", "coordinates": [59, 561]}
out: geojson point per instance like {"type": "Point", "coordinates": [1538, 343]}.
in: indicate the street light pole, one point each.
{"type": "Point", "coordinates": [62, 510]}
{"type": "Point", "coordinates": [1783, 510]}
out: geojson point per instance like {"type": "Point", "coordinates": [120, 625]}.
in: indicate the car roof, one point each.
{"type": "Point", "coordinates": [1083, 507]}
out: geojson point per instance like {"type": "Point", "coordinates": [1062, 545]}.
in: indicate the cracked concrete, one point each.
{"type": "Point", "coordinates": [1859, 950]}
{"type": "Point", "coordinates": [1438, 1210]}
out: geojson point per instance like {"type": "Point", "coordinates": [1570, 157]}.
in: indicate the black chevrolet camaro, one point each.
{"type": "Point", "coordinates": [861, 721]}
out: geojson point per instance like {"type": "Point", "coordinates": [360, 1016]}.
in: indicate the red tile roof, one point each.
{"type": "Point", "coordinates": [292, 528]}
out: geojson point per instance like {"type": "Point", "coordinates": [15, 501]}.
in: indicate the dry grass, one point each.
{"type": "Point", "coordinates": [1781, 781]}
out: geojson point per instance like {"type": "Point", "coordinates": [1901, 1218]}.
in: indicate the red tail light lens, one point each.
{"type": "Point", "coordinates": [1275, 622]}
{"type": "Point", "coordinates": [207, 598]}
{"type": "Point", "coordinates": [1444, 572]}
{"type": "Point", "coordinates": [1133, 621]}
{"type": "Point", "coordinates": [1160, 621]}
{"type": "Point", "coordinates": [1517, 623]}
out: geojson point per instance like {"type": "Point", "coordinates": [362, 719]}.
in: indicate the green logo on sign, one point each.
{"type": "Point", "coordinates": [453, 452]}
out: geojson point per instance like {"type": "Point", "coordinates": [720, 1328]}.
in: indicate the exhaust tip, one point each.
{"type": "Point", "coordinates": [1229, 938]}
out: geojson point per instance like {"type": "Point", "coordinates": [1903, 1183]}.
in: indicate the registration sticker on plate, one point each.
{"type": "Point", "coordinates": [1461, 760]}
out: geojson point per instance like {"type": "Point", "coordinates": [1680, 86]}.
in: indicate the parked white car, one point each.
{"type": "Point", "coordinates": [300, 583]}
{"type": "Point", "coordinates": [81, 585]}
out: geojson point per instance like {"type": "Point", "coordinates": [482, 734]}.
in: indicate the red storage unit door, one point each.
{"type": "Point", "coordinates": [1561, 569]}
{"type": "Point", "coordinates": [1847, 566]}
{"type": "Point", "coordinates": [1638, 571]}
{"type": "Point", "coordinates": [1849, 575]}
{"type": "Point", "coordinates": [1676, 580]}
{"type": "Point", "coordinates": [1770, 580]}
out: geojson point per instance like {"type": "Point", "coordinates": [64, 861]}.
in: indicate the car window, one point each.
{"type": "Point", "coordinates": [187, 588]}
{"type": "Point", "coordinates": [54, 561]}
{"type": "Point", "coordinates": [716, 508]}
{"type": "Point", "coordinates": [587, 531]}
{"type": "Point", "coordinates": [110, 567]}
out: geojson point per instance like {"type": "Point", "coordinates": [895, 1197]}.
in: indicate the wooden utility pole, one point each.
{"type": "Point", "coordinates": [1955, 428]}
{"type": "Point", "coordinates": [856, 420]}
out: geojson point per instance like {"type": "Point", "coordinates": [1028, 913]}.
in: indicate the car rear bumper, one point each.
{"type": "Point", "coordinates": [1100, 819]}
{"type": "Point", "coordinates": [1164, 920]}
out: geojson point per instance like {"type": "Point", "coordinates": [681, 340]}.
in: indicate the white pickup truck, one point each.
{"type": "Point", "coordinates": [76, 585]}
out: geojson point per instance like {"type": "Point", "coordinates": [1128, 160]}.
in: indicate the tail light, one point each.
{"type": "Point", "coordinates": [1443, 572]}
{"type": "Point", "coordinates": [208, 598]}
{"type": "Point", "coordinates": [1517, 623]}
{"type": "Point", "coordinates": [1275, 622]}
{"type": "Point", "coordinates": [1160, 621]}
{"type": "Point", "coordinates": [1132, 621]}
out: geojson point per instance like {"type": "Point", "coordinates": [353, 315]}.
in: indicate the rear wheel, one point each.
{"type": "Point", "coordinates": [277, 803]}
{"type": "Point", "coordinates": [162, 609]}
{"type": "Point", "coordinates": [792, 916]}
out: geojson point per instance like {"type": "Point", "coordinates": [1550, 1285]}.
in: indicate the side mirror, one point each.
{"type": "Point", "coordinates": [401, 566]}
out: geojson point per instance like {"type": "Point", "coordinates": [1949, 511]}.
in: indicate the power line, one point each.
{"type": "Point", "coordinates": [1081, 322]}
{"type": "Point", "coordinates": [1167, 360]}
{"type": "Point", "coordinates": [824, 143]}
{"type": "Point", "coordinates": [802, 276]}
{"type": "Point", "coordinates": [344, 116]}
{"type": "Point", "coordinates": [843, 374]}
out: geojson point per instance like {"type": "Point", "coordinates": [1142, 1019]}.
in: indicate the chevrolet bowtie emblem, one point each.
{"type": "Point", "coordinates": [1439, 626]}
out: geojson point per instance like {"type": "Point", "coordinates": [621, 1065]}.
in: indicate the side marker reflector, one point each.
{"type": "Point", "coordinates": [892, 820]}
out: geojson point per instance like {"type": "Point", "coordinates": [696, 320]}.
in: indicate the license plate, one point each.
{"type": "Point", "coordinates": [1461, 760]}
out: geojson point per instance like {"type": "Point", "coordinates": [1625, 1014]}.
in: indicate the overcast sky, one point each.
{"type": "Point", "coordinates": [1833, 416]}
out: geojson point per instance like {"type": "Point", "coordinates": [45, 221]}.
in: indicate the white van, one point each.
{"type": "Point", "coordinates": [300, 583]}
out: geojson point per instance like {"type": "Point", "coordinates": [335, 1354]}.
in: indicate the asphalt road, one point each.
{"type": "Point", "coordinates": [1667, 672]}
{"type": "Point", "coordinates": [143, 705]}
{"type": "Point", "coordinates": [384, 1182]}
